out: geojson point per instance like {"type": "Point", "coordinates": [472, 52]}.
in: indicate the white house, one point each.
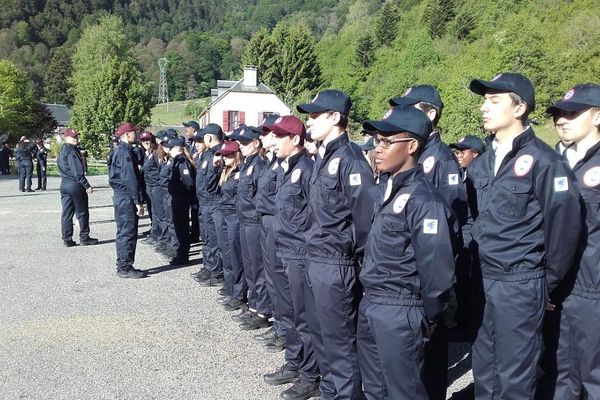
{"type": "Point", "coordinates": [246, 101]}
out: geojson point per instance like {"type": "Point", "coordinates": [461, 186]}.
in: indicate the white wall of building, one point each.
{"type": "Point", "coordinates": [252, 104]}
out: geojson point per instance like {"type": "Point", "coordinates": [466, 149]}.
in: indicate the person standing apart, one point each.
{"type": "Point", "coordinates": [74, 190]}
{"type": "Point", "coordinates": [24, 156]}
{"type": "Point", "coordinates": [41, 156]}
{"type": "Point", "coordinates": [125, 181]}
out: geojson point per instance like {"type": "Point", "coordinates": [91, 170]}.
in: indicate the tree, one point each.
{"type": "Point", "coordinates": [56, 80]}
{"type": "Point", "coordinates": [258, 51]}
{"type": "Point", "coordinates": [20, 113]}
{"type": "Point", "coordinates": [107, 84]}
{"type": "Point", "coordinates": [438, 13]}
{"type": "Point", "coordinates": [386, 24]}
{"type": "Point", "coordinates": [364, 51]}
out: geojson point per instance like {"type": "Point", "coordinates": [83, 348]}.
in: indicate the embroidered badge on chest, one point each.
{"type": "Point", "coordinates": [430, 226]}
{"type": "Point", "coordinates": [591, 178]}
{"type": "Point", "coordinates": [204, 164]}
{"type": "Point", "coordinates": [275, 165]}
{"type": "Point", "coordinates": [333, 166]}
{"type": "Point", "coordinates": [186, 171]}
{"type": "Point", "coordinates": [250, 169]}
{"type": "Point", "coordinates": [355, 180]}
{"type": "Point", "coordinates": [452, 179]}
{"type": "Point", "coordinates": [400, 203]}
{"type": "Point", "coordinates": [523, 165]}
{"type": "Point", "coordinates": [561, 184]}
{"type": "Point", "coordinates": [237, 175]}
{"type": "Point", "coordinates": [428, 164]}
{"type": "Point", "coordinates": [296, 175]}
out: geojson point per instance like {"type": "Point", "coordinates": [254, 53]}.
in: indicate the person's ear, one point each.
{"type": "Point", "coordinates": [413, 147]}
{"type": "Point", "coordinates": [335, 117]}
{"type": "Point", "coordinates": [520, 110]}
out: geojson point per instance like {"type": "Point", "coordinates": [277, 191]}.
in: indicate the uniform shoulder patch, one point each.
{"type": "Point", "coordinates": [333, 166]}
{"type": "Point", "coordinates": [249, 171]}
{"type": "Point", "coordinates": [237, 175]}
{"type": "Point", "coordinates": [275, 166]}
{"type": "Point", "coordinates": [453, 179]}
{"type": "Point", "coordinates": [428, 164]}
{"type": "Point", "coordinates": [400, 203]}
{"type": "Point", "coordinates": [204, 164]}
{"type": "Point", "coordinates": [430, 226]}
{"type": "Point", "coordinates": [561, 184]}
{"type": "Point", "coordinates": [186, 171]}
{"type": "Point", "coordinates": [591, 178]}
{"type": "Point", "coordinates": [355, 180]}
{"type": "Point", "coordinates": [523, 164]}
{"type": "Point", "coordinates": [296, 175]}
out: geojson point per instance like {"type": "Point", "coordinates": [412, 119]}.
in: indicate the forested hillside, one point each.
{"type": "Point", "coordinates": [370, 48]}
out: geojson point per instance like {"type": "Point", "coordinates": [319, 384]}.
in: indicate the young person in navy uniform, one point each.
{"type": "Point", "coordinates": [181, 188]}
{"type": "Point", "coordinates": [341, 209]}
{"type": "Point", "coordinates": [252, 168]}
{"type": "Point", "coordinates": [408, 268]}
{"type": "Point", "coordinates": [125, 180]}
{"type": "Point", "coordinates": [24, 161]}
{"type": "Point", "coordinates": [74, 189]}
{"type": "Point", "coordinates": [41, 157]}
{"type": "Point", "coordinates": [191, 130]}
{"type": "Point", "coordinates": [291, 215]}
{"type": "Point", "coordinates": [577, 120]}
{"type": "Point", "coordinates": [151, 172]}
{"type": "Point", "coordinates": [526, 234]}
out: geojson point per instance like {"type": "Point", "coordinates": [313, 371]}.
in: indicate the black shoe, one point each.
{"type": "Point", "coordinates": [266, 336]}
{"type": "Point", "coordinates": [179, 261]}
{"type": "Point", "coordinates": [38, 188]}
{"type": "Point", "coordinates": [202, 275]}
{"type": "Point", "coordinates": [69, 243]}
{"type": "Point", "coordinates": [222, 292]}
{"type": "Point", "coordinates": [131, 273]}
{"type": "Point", "coordinates": [89, 241]}
{"type": "Point", "coordinates": [276, 345]}
{"type": "Point", "coordinates": [224, 300]}
{"type": "Point", "coordinates": [256, 322]}
{"type": "Point", "coordinates": [281, 376]}
{"type": "Point", "coordinates": [149, 240]}
{"type": "Point", "coordinates": [211, 282]}
{"type": "Point", "coordinates": [30, 190]}
{"type": "Point", "coordinates": [301, 391]}
{"type": "Point", "coordinates": [234, 304]}
{"type": "Point", "coordinates": [244, 315]}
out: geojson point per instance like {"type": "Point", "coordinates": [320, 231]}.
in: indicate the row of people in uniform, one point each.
{"type": "Point", "coordinates": [25, 153]}
{"type": "Point", "coordinates": [357, 275]}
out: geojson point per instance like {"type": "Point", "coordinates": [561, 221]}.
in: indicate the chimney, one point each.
{"type": "Point", "coordinates": [250, 76]}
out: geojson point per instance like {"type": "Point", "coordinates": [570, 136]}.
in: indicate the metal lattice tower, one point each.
{"type": "Point", "coordinates": [163, 91]}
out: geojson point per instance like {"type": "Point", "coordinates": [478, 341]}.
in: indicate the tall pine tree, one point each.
{"type": "Point", "coordinates": [56, 80]}
{"type": "Point", "coordinates": [386, 24]}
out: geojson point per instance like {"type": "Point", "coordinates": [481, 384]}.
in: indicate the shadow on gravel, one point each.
{"type": "Point", "coordinates": [165, 268]}
{"type": "Point", "coordinates": [103, 221]}
{"type": "Point", "coordinates": [106, 241]}
{"type": "Point", "coordinates": [22, 195]}
{"type": "Point", "coordinates": [102, 206]}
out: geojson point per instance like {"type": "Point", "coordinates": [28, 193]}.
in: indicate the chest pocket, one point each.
{"type": "Point", "coordinates": [592, 202]}
{"type": "Point", "coordinates": [292, 200]}
{"type": "Point", "coordinates": [396, 229]}
{"type": "Point", "coordinates": [329, 193]}
{"type": "Point", "coordinates": [246, 188]}
{"type": "Point", "coordinates": [481, 187]}
{"type": "Point", "coordinates": [512, 198]}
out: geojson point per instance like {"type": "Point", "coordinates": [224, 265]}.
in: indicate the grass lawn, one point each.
{"type": "Point", "coordinates": [174, 113]}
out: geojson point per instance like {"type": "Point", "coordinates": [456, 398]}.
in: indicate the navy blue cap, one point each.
{"type": "Point", "coordinates": [579, 98]}
{"type": "Point", "coordinates": [327, 100]}
{"type": "Point", "coordinates": [507, 82]}
{"type": "Point", "coordinates": [368, 145]}
{"type": "Point", "coordinates": [246, 134]}
{"type": "Point", "coordinates": [166, 135]}
{"type": "Point", "coordinates": [191, 124]}
{"type": "Point", "coordinates": [268, 120]}
{"type": "Point", "coordinates": [417, 94]}
{"type": "Point", "coordinates": [213, 129]}
{"type": "Point", "coordinates": [176, 141]}
{"type": "Point", "coordinates": [401, 119]}
{"type": "Point", "coordinates": [198, 136]}
{"type": "Point", "coordinates": [469, 142]}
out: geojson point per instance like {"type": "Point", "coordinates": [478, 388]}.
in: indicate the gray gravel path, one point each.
{"type": "Point", "coordinates": [70, 329]}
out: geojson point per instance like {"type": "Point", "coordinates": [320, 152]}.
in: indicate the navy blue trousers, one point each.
{"type": "Point", "coordinates": [180, 207]}
{"type": "Point", "coordinates": [211, 254]}
{"type": "Point", "coordinates": [74, 201]}
{"type": "Point", "coordinates": [127, 229]}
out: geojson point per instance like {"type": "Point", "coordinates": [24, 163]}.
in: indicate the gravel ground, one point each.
{"type": "Point", "coordinates": [70, 329]}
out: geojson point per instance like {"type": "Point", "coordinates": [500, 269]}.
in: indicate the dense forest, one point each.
{"type": "Point", "coordinates": [370, 48]}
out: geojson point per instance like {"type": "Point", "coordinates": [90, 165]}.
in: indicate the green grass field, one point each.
{"type": "Point", "coordinates": [175, 112]}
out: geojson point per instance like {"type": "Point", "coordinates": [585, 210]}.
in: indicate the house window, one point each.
{"type": "Point", "coordinates": [234, 120]}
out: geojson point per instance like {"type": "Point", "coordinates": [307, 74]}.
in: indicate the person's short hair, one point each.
{"type": "Point", "coordinates": [343, 122]}
{"type": "Point", "coordinates": [426, 107]}
{"type": "Point", "coordinates": [516, 100]}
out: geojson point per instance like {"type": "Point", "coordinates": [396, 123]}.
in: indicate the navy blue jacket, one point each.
{"type": "Point", "coordinates": [125, 177]}
{"type": "Point", "coordinates": [207, 172]}
{"type": "Point", "coordinates": [24, 153]}
{"type": "Point", "coordinates": [228, 191]}
{"type": "Point", "coordinates": [267, 184]}
{"type": "Point", "coordinates": [587, 171]}
{"type": "Point", "coordinates": [251, 169]}
{"type": "Point", "coordinates": [442, 169]}
{"type": "Point", "coordinates": [409, 257]}
{"type": "Point", "coordinates": [291, 203]}
{"type": "Point", "coordinates": [41, 156]}
{"type": "Point", "coordinates": [340, 204]}
{"type": "Point", "coordinates": [183, 176]}
{"type": "Point", "coordinates": [70, 165]}
{"type": "Point", "coordinates": [164, 174]}
{"type": "Point", "coordinates": [151, 170]}
{"type": "Point", "coordinates": [529, 214]}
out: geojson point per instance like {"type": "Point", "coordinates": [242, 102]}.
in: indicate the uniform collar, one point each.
{"type": "Point", "coordinates": [589, 154]}
{"type": "Point", "coordinates": [293, 160]}
{"type": "Point", "coordinates": [336, 144]}
{"type": "Point", "coordinates": [433, 139]}
{"type": "Point", "coordinates": [403, 179]}
{"type": "Point", "coordinates": [248, 160]}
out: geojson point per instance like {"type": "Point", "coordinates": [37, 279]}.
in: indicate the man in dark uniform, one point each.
{"type": "Point", "coordinates": [74, 190]}
{"type": "Point", "coordinates": [114, 142]}
{"type": "Point", "coordinates": [291, 215]}
{"type": "Point", "coordinates": [408, 270]}
{"type": "Point", "coordinates": [576, 370]}
{"type": "Point", "coordinates": [526, 235]}
{"type": "Point", "coordinates": [125, 181]}
{"type": "Point", "coordinates": [5, 155]}
{"type": "Point", "coordinates": [341, 209]}
{"type": "Point", "coordinates": [41, 157]}
{"type": "Point", "coordinates": [191, 130]}
{"type": "Point", "coordinates": [441, 168]}
{"type": "Point", "coordinates": [469, 300]}
{"type": "Point", "coordinates": [24, 156]}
